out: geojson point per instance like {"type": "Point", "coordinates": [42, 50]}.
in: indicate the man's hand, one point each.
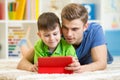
{"type": "Point", "coordinates": [75, 66]}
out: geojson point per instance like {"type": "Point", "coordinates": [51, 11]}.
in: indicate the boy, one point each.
{"type": "Point", "coordinates": [51, 43]}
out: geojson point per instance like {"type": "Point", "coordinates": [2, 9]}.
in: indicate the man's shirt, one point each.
{"type": "Point", "coordinates": [92, 37]}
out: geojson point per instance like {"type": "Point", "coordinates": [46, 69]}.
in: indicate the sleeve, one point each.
{"type": "Point", "coordinates": [98, 36]}
{"type": "Point", "coordinates": [71, 51]}
{"type": "Point", "coordinates": [37, 51]}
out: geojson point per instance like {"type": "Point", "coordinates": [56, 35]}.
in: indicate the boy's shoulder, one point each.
{"type": "Point", "coordinates": [64, 43]}
{"type": "Point", "coordinates": [39, 43]}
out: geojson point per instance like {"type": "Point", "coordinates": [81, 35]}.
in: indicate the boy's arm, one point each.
{"type": "Point", "coordinates": [26, 63]}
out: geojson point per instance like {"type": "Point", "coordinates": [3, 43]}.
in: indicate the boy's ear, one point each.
{"type": "Point", "coordinates": [38, 33]}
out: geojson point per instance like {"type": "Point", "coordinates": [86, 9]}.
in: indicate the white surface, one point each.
{"type": "Point", "coordinates": [8, 71]}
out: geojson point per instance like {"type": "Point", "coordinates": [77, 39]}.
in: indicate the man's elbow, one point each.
{"type": "Point", "coordinates": [103, 65]}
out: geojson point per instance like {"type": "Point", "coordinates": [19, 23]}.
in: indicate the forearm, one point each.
{"type": "Point", "coordinates": [94, 66]}
{"type": "Point", "coordinates": [30, 55]}
{"type": "Point", "coordinates": [99, 58]}
{"type": "Point", "coordinates": [24, 65]}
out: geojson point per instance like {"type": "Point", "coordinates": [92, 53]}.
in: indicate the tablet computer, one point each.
{"type": "Point", "coordinates": [54, 64]}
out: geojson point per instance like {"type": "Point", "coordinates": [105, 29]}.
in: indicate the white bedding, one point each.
{"type": "Point", "coordinates": [8, 71]}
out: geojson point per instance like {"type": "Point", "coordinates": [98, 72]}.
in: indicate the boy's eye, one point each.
{"type": "Point", "coordinates": [46, 35]}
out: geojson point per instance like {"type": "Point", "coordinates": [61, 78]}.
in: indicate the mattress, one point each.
{"type": "Point", "coordinates": [8, 71]}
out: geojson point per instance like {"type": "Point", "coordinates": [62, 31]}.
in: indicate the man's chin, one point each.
{"type": "Point", "coordinates": [70, 42]}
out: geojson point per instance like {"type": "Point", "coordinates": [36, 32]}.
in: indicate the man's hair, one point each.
{"type": "Point", "coordinates": [74, 11]}
{"type": "Point", "coordinates": [47, 21]}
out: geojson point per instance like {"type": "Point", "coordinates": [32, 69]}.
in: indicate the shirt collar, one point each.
{"type": "Point", "coordinates": [58, 50]}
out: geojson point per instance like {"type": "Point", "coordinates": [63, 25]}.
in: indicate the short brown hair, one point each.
{"type": "Point", "coordinates": [74, 11]}
{"type": "Point", "coordinates": [47, 21]}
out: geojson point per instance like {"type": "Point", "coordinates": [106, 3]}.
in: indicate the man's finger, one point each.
{"type": "Point", "coordinates": [75, 59]}
{"type": "Point", "coordinates": [74, 64]}
{"type": "Point", "coordinates": [73, 68]}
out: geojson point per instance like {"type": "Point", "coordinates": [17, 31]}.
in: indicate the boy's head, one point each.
{"type": "Point", "coordinates": [48, 21]}
{"type": "Point", "coordinates": [49, 29]}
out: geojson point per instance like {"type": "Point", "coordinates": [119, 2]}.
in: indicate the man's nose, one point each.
{"type": "Point", "coordinates": [69, 32]}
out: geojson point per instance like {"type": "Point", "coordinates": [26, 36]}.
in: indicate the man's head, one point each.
{"type": "Point", "coordinates": [49, 29]}
{"type": "Point", "coordinates": [74, 11]}
{"type": "Point", "coordinates": [74, 22]}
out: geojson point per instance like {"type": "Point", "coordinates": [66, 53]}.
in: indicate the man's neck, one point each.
{"type": "Point", "coordinates": [76, 46]}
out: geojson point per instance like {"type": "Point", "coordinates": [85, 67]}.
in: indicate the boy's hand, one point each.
{"type": "Point", "coordinates": [34, 68]}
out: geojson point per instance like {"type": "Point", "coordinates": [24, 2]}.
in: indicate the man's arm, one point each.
{"type": "Point", "coordinates": [99, 57]}
{"type": "Point", "coordinates": [26, 63]}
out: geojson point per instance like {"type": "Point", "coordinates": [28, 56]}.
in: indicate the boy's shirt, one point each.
{"type": "Point", "coordinates": [62, 49]}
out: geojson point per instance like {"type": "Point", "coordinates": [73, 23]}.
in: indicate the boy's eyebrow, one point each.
{"type": "Point", "coordinates": [46, 32]}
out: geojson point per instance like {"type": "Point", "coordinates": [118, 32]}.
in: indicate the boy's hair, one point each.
{"type": "Point", "coordinates": [74, 11]}
{"type": "Point", "coordinates": [47, 21]}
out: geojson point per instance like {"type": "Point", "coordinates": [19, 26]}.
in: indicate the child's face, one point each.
{"type": "Point", "coordinates": [50, 37]}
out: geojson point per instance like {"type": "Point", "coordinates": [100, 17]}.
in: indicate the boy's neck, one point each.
{"type": "Point", "coordinates": [51, 50]}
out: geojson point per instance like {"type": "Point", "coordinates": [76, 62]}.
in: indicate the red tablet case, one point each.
{"type": "Point", "coordinates": [54, 64]}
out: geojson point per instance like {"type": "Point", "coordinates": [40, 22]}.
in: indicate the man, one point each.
{"type": "Point", "coordinates": [87, 39]}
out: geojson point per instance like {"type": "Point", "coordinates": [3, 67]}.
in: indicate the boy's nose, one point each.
{"type": "Point", "coordinates": [51, 37]}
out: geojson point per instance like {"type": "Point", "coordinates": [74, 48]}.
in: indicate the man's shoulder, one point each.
{"type": "Point", "coordinates": [94, 25]}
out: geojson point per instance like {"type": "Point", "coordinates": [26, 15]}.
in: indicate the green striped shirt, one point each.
{"type": "Point", "coordinates": [62, 49]}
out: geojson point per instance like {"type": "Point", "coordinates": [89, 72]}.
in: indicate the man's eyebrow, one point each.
{"type": "Point", "coordinates": [63, 26]}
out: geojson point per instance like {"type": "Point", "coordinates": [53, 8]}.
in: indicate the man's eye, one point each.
{"type": "Point", "coordinates": [75, 29]}
{"type": "Point", "coordinates": [64, 27]}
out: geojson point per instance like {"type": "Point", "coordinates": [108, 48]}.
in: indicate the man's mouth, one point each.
{"type": "Point", "coordinates": [69, 39]}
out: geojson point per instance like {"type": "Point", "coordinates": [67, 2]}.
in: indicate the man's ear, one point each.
{"type": "Point", "coordinates": [38, 33]}
{"type": "Point", "coordinates": [85, 26]}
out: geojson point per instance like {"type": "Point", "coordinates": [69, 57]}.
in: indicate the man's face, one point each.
{"type": "Point", "coordinates": [73, 31]}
